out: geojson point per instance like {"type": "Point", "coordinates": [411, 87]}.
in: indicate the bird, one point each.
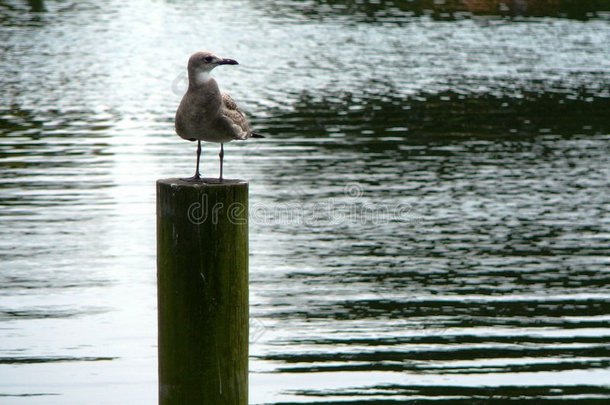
{"type": "Point", "coordinates": [207, 114]}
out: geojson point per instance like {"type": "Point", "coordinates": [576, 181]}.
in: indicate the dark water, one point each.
{"type": "Point", "coordinates": [430, 211]}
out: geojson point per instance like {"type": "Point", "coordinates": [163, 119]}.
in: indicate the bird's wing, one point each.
{"type": "Point", "coordinates": [236, 117]}
{"type": "Point", "coordinates": [228, 102]}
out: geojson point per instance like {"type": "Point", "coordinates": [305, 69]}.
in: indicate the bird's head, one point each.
{"type": "Point", "coordinates": [201, 63]}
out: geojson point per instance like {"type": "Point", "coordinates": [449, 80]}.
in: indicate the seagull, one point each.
{"type": "Point", "coordinates": [207, 114]}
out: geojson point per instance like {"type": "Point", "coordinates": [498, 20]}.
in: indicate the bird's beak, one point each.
{"type": "Point", "coordinates": [228, 62]}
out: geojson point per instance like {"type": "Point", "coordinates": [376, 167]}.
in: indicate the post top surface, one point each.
{"type": "Point", "coordinates": [203, 182]}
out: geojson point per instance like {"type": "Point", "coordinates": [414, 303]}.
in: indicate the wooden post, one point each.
{"type": "Point", "coordinates": [202, 291]}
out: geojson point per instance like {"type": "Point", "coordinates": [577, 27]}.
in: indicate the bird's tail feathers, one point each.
{"type": "Point", "coordinates": [255, 135]}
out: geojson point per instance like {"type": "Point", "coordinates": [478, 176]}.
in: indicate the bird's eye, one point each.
{"type": "Point", "coordinates": [208, 59]}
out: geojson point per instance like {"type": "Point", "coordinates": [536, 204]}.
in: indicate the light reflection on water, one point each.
{"type": "Point", "coordinates": [487, 155]}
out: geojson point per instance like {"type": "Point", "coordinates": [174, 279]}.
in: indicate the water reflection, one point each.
{"type": "Point", "coordinates": [36, 6]}
{"type": "Point", "coordinates": [449, 10]}
{"type": "Point", "coordinates": [491, 279]}
{"type": "Point", "coordinates": [392, 394]}
{"type": "Point", "coordinates": [20, 14]}
{"type": "Point", "coordinates": [33, 360]}
{"type": "Point", "coordinates": [447, 114]}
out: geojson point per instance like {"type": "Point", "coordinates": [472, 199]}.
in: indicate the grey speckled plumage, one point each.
{"type": "Point", "coordinates": [207, 114]}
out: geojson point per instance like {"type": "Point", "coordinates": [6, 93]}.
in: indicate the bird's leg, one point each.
{"type": "Point", "coordinates": [197, 175]}
{"type": "Point", "coordinates": [221, 155]}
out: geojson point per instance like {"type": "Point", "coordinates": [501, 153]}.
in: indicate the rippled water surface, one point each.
{"type": "Point", "coordinates": [430, 213]}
